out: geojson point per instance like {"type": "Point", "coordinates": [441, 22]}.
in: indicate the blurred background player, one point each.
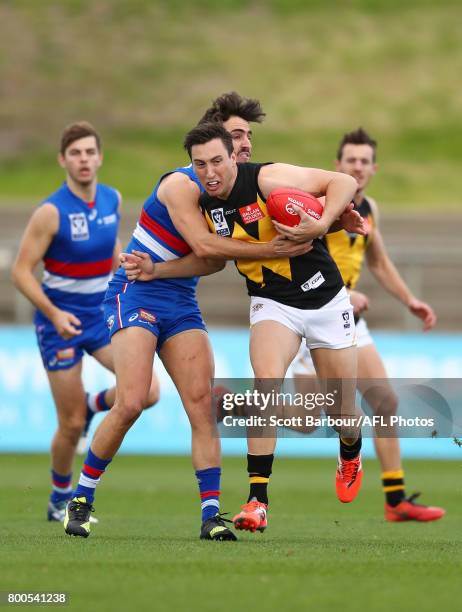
{"type": "Point", "coordinates": [74, 232]}
{"type": "Point", "coordinates": [356, 156]}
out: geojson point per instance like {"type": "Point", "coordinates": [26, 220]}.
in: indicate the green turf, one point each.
{"type": "Point", "coordinates": [317, 554]}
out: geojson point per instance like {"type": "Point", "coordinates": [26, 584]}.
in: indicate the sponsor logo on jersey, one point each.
{"type": "Point", "coordinates": [110, 321]}
{"type": "Point", "coordinates": [314, 282]}
{"type": "Point", "coordinates": [109, 219]}
{"type": "Point", "coordinates": [93, 214]}
{"type": "Point", "coordinates": [133, 317]}
{"type": "Point", "coordinates": [251, 213]}
{"type": "Point", "coordinates": [147, 316]}
{"type": "Point", "coordinates": [79, 226]}
{"type": "Point", "coordinates": [220, 223]}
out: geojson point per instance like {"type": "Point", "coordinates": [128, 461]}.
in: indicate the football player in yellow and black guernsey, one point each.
{"type": "Point", "coordinates": [356, 156]}
{"type": "Point", "coordinates": [291, 299]}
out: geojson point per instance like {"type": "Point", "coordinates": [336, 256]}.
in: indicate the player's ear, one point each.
{"type": "Point", "coordinates": [60, 158]}
{"type": "Point", "coordinates": [337, 165]}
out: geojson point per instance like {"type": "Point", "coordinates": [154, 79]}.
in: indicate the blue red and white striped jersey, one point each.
{"type": "Point", "coordinates": [155, 234]}
{"type": "Point", "coordinates": [78, 262]}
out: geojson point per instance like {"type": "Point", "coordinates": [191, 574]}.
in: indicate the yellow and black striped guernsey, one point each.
{"type": "Point", "coordinates": [348, 250]}
{"type": "Point", "coordinates": [308, 281]}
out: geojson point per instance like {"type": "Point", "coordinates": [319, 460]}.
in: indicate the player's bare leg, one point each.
{"type": "Point", "coordinates": [105, 399]}
{"type": "Point", "coordinates": [69, 397]}
{"type": "Point", "coordinates": [335, 366]}
{"type": "Point", "coordinates": [133, 349]}
{"type": "Point", "coordinates": [188, 359]}
{"type": "Point", "coordinates": [273, 346]}
{"type": "Point", "coordinates": [105, 357]}
{"type": "Point", "coordinates": [381, 398]}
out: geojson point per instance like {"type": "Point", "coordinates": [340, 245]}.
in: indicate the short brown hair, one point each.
{"type": "Point", "coordinates": [233, 105]}
{"type": "Point", "coordinates": [75, 131]}
{"type": "Point", "coordinates": [357, 137]}
{"type": "Point", "coordinates": [204, 133]}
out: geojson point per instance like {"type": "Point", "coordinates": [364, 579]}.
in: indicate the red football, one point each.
{"type": "Point", "coordinates": [279, 205]}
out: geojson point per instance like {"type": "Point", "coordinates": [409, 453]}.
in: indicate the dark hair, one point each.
{"type": "Point", "coordinates": [357, 137]}
{"type": "Point", "coordinates": [204, 133]}
{"type": "Point", "coordinates": [232, 104]}
{"type": "Point", "coordinates": [75, 131]}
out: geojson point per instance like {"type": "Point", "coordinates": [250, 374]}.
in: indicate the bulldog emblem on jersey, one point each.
{"type": "Point", "coordinates": [79, 226]}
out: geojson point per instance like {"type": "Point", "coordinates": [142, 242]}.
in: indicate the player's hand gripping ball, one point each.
{"type": "Point", "coordinates": [279, 205]}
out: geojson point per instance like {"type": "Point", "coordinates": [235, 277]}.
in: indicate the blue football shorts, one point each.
{"type": "Point", "coordinates": [60, 354]}
{"type": "Point", "coordinates": [163, 310]}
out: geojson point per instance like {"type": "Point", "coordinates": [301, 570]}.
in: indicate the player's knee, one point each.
{"type": "Point", "coordinates": [199, 407]}
{"type": "Point", "coordinates": [269, 371]}
{"type": "Point", "coordinates": [72, 428]}
{"type": "Point", "coordinates": [153, 395]}
{"type": "Point", "coordinates": [389, 404]}
{"type": "Point", "coordinates": [383, 403]}
{"type": "Point", "coordinates": [130, 408]}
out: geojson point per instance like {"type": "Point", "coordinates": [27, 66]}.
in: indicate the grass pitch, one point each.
{"type": "Point", "coordinates": [316, 554]}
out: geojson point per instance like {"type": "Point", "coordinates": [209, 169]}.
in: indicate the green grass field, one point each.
{"type": "Point", "coordinates": [317, 554]}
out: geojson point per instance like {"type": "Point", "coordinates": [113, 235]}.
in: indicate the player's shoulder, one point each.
{"type": "Point", "coordinates": [372, 203]}
{"type": "Point", "coordinates": [45, 218]}
{"type": "Point", "coordinates": [182, 178]}
{"type": "Point", "coordinates": [57, 196]}
{"type": "Point", "coordinates": [109, 191]}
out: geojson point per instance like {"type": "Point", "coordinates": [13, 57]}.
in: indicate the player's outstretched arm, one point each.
{"type": "Point", "coordinates": [338, 189]}
{"type": "Point", "coordinates": [181, 197]}
{"type": "Point", "coordinates": [36, 239]}
{"type": "Point", "coordinates": [386, 273]}
{"type": "Point", "coordinates": [139, 266]}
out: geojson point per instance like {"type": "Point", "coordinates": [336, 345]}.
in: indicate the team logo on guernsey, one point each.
{"type": "Point", "coordinates": [220, 223]}
{"type": "Point", "coordinates": [147, 316]}
{"type": "Point", "coordinates": [251, 213]}
{"type": "Point", "coordinates": [257, 307]}
{"type": "Point", "coordinates": [314, 282]}
{"type": "Point", "coordinates": [79, 226]}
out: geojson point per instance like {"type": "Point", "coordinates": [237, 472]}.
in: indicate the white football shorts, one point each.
{"type": "Point", "coordinates": [303, 364]}
{"type": "Point", "coordinates": [331, 326]}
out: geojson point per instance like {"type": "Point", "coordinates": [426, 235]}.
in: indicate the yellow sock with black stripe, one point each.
{"type": "Point", "coordinates": [259, 469]}
{"type": "Point", "coordinates": [393, 487]}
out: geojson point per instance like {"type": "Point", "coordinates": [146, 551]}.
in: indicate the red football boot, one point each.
{"type": "Point", "coordinates": [252, 517]}
{"type": "Point", "coordinates": [407, 510]}
{"type": "Point", "coordinates": [348, 479]}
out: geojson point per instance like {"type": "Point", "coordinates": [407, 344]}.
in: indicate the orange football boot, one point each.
{"type": "Point", "coordinates": [407, 510]}
{"type": "Point", "coordinates": [252, 517]}
{"type": "Point", "coordinates": [348, 479]}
